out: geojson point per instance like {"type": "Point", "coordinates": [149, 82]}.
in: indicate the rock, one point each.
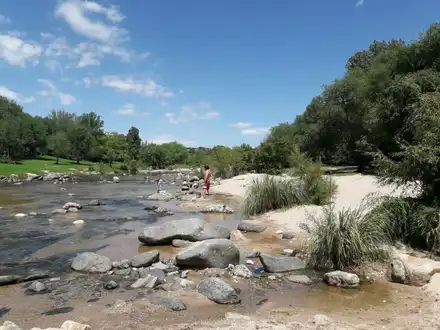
{"type": "Point", "coordinates": [213, 253]}
{"type": "Point", "coordinates": [217, 208]}
{"type": "Point", "coordinates": [167, 268]}
{"type": "Point", "coordinates": [253, 254]}
{"type": "Point", "coordinates": [78, 222]}
{"type": "Point", "coordinates": [10, 279]}
{"type": "Point", "coordinates": [71, 325]}
{"type": "Point", "coordinates": [94, 202]}
{"type": "Point", "coordinates": [409, 270]}
{"type": "Point", "coordinates": [300, 279]}
{"type": "Point", "coordinates": [237, 236]}
{"type": "Point", "coordinates": [320, 320]}
{"type": "Point", "coordinates": [8, 325]}
{"type": "Point", "coordinates": [37, 287]}
{"type": "Point", "coordinates": [163, 211]}
{"type": "Point", "coordinates": [157, 273]}
{"type": "Point", "coordinates": [150, 207]}
{"type": "Point", "coordinates": [110, 285]}
{"type": "Point", "coordinates": [115, 179]}
{"type": "Point", "coordinates": [171, 303]}
{"type": "Point", "coordinates": [273, 264]}
{"type": "Point", "coordinates": [33, 214]}
{"type": "Point", "coordinates": [69, 205]}
{"type": "Point", "coordinates": [288, 252]}
{"type": "Point", "coordinates": [218, 291]}
{"type": "Point", "coordinates": [122, 264]}
{"type": "Point", "coordinates": [92, 263]}
{"type": "Point", "coordinates": [183, 284]}
{"type": "Point", "coordinates": [180, 243]}
{"type": "Point", "coordinates": [288, 235]}
{"type": "Point", "coordinates": [236, 317]}
{"type": "Point", "coordinates": [213, 272]}
{"type": "Point", "coordinates": [192, 229]}
{"type": "Point", "coordinates": [145, 259]}
{"type": "Point", "coordinates": [59, 211]}
{"type": "Point", "coordinates": [145, 282]}
{"type": "Point", "coordinates": [272, 277]}
{"type": "Point", "coordinates": [341, 279]}
{"type": "Point", "coordinates": [162, 196]}
{"type": "Point", "coordinates": [240, 271]}
{"type": "Point", "coordinates": [123, 272]}
{"type": "Point", "coordinates": [251, 226]}
{"type": "Point", "coordinates": [72, 209]}
{"type": "Point", "coordinates": [20, 215]}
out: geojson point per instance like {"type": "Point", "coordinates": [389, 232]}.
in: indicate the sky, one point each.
{"type": "Point", "coordinates": [198, 72]}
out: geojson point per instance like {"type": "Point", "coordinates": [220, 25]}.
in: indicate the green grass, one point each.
{"type": "Point", "coordinates": [346, 238]}
{"type": "Point", "coordinates": [48, 163]}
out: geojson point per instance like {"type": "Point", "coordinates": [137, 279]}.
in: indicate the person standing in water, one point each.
{"type": "Point", "coordinates": [207, 179]}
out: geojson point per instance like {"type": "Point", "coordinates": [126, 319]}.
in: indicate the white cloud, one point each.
{"type": "Point", "coordinates": [4, 19]}
{"type": "Point", "coordinates": [255, 131]}
{"type": "Point", "coordinates": [147, 87]}
{"type": "Point", "coordinates": [75, 13]}
{"type": "Point", "coordinates": [87, 82]}
{"type": "Point", "coordinates": [128, 110]}
{"type": "Point", "coordinates": [187, 113]}
{"type": "Point", "coordinates": [53, 65]}
{"type": "Point", "coordinates": [52, 91]}
{"type": "Point", "coordinates": [5, 92]}
{"type": "Point", "coordinates": [360, 3]}
{"type": "Point", "coordinates": [167, 138]}
{"type": "Point", "coordinates": [17, 52]}
{"type": "Point", "coordinates": [241, 125]}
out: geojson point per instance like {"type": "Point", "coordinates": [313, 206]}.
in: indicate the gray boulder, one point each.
{"type": "Point", "coordinates": [251, 226]}
{"type": "Point", "coordinates": [161, 196]}
{"type": "Point", "coordinates": [163, 211]}
{"type": "Point", "coordinates": [212, 253]}
{"type": "Point", "coordinates": [341, 279]}
{"type": "Point", "coordinates": [169, 302]}
{"type": "Point", "coordinates": [92, 263]}
{"type": "Point", "coordinates": [218, 208]}
{"type": "Point", "coordinates": [69, 205]}
{"type": "Point", "coordinates": [10, 279]}
{"type": "Point", "coordinates": [218, 291]}
{"type": "Point", "coordinates": [192, 229]}
{"type": "Point", "coordinates": [37, 287]}
{"type": "Point", "coordinates": [145, 259]}
{"type": "Point", "coordinates": [273, 264]}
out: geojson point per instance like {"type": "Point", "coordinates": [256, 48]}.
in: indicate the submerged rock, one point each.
{"type": "Point", "coordinates": [341, 279]}
{"type": "Point", "coordinates": [273, 264]}
{"type": "Point", "coordinates": [218, 208]}
{"type": "Point", "coordinates": [212, 253]}
{"type": "Point", "coordinates": [162, 196]}
{"type": "Point", "coordinates": [193, 229]}
{"type": "Point", "coordinates": [300, 279]}
{"type": "Point", "coordinates": [92, 263]}
{"type": "Point", "coordinates": [251, 226]}
{"type": "Point", "coordinates": [218, 291]}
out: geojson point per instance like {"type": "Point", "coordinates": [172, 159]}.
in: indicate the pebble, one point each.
{"type": "Point", "coordinates": [287, 252]}
{"type": "Point", "coordinates": [249, 262]}
{"type": "Point", "coordinates": [33, 214]}
{"type": "Point", "coordinates": [288, 235]}
{"type": "Point", "coordinates": [110, 285]}
{"type": "Point", "coordinates": [20, 215]}
{"type": "Point", "coordinates": [279, 232]}
{"type": "Point", "coordinates": [184, 274]}
{"type": "Point", "coordinates": [37, 286]}
{"type": "Point", "coordinates": [78, 222]}
{"type": "Point", "coordinates": [272, 277]}
{"type": "Point", "coordinates": [173, 273]}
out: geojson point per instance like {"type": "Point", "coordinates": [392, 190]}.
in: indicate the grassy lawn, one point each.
{"type": "Point", "coordinates": [47, 163]}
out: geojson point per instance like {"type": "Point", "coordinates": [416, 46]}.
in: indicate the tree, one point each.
{"type": "Point", "coordinates": [134, 143]}
{"type": "Point", "coordinates": [115, 147]}
{"type": "Point", "coordinates": [59, 144]}
{"type": "Point", "coordinates": [80, 141]}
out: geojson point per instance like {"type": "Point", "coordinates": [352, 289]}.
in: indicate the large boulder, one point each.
{"type": "Point", "coordinates": [212, 253]}
{"type": "Point", "coordinates": [252, 226]}
{"type": "Point", "coordinates": [273, 264]}
{"type": "Point", "coordinates": [406, 269]}
{"type": "Point", "coordinates": [217, 208]}
{"type": "Point", "coordinates": [8, 325]}
{"type": "Point", "coordinates": [145, 259]}
{"type": "Point", "coordinates": [92, 263]}
{"type": "Point", "coordinates": [162, 196]}
{"type": "Point", "coordinates": [341, 279]}
{"type": "Point", "coordinates": [192, 229]}
{"type": "Point", "coordinates": [218, 291]}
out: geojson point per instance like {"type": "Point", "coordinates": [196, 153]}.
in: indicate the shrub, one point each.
{"type": "Point", "coordinates": [271, 193]}
{"type": "Point", "coordinates": [123, 168]}
{"type": "Point", "coordinates": [345, 238]}
{"type": "Point", "coordinates": [133, 167]}
{"type": "Point", "coordinates": [409, 221]}
{"type": "Point", "coordinates": [91, 168]}
{"type": "Point", "coordinates": [100, 167]}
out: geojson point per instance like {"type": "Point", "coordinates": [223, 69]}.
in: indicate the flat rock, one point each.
{"type": "Point", "coordinates": [273, 264]}
{"type": "Point", "coordinates": [192, 229]}
{"type": "Point", "coordinates": [20, 215]}
{"type": "Point", "coordinates": [69, 205]}
{"type": "Point", "coordinates": [251, 226]}
{"type": "Point", "coordinates": [10, 279]}
{"type": "Point", "coordinates": [171, 303]}
{"type": "Point", "coordinates": [341, 279]}
{"type": "Point", "coordinates": [72, 325]}
{"type": "Point", "coordinates": [183, 284]}
{"type": "Point", "coordinates": [212, 253]}
{"type": "Point", "coordinates": [300, 279]}
{"type": "Point", "coordinates": [180, 243]}
{"type": "Point", "coordinates": [163, 211]}
{"type": "Point", "coordinates": [145, 259]}
{"type": "Point", "coordinates": [288, 235]}
{"type": "Point", "coordinates": [121, 264]}
{"type": "Point", "coordinates": [59, 211]}
{"type": "Point", "coordinates": [161, 196]}
{"type": "Point", "coordinates": [92, 263]}
{"type": "Point", "coordinates": [218, 291]}
{"type": "Point", "coordinates": [94, 202]}
{"type": "Point", "coordinates": [217, 208]}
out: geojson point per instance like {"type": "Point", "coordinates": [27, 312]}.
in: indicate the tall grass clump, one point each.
{"type": "Point", "coordinates": [346, 238]}
{"type": "Point", "coordinates": [271, 193]}
{"type": "Point", "coordinates": [409, 221]}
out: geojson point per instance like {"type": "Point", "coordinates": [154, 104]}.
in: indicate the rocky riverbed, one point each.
{"type": "Point", "coordinates": [122, 256]}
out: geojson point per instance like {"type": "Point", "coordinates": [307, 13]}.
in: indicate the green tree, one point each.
{"type": "Point", "coordinates": [134, 143]}
{"type": "Point", "coordinates": [59, 144]}
{"type": "Point", "coordinates": [80, 140]}
{"type": "Point", "coordinates": [115, 147]}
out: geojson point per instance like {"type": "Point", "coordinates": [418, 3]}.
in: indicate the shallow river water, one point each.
{"type": "Point", "coordinates": [47, 242]}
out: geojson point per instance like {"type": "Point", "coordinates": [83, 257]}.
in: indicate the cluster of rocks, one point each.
{"type": "Point", "coordinates": [57, 178]}
{"type": "Point", "coordinates": [68, 325]}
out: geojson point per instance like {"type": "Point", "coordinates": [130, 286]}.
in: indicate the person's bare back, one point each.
{"type": "Point", "coordinates": [207, 179]}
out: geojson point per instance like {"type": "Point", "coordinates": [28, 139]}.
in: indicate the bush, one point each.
{"type": "Point", "coordinates": [345, 238]}
{"type": "Point", "coordinates": [91, 168]}
{"type": "Point", "coordinates": [123, 168]}
{"type": "Point", "coordinates": [271, 193]}
{"type": "Point", "coordinates": [133, 167]}
{"type": "Point", "coordinates": [409, 221]}
{"type": "Point", "coordinates": [100, 167]}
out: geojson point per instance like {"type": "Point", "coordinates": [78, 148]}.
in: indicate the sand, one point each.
{"type": "Point", "coordinates": [353, 190]}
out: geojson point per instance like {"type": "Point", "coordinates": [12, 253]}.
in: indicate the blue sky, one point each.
{"type": "Point", "coordinates": [196, 71]}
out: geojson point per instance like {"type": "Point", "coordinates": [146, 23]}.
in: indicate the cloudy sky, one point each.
{"type": "Point", "coordinates": [196, 71]}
